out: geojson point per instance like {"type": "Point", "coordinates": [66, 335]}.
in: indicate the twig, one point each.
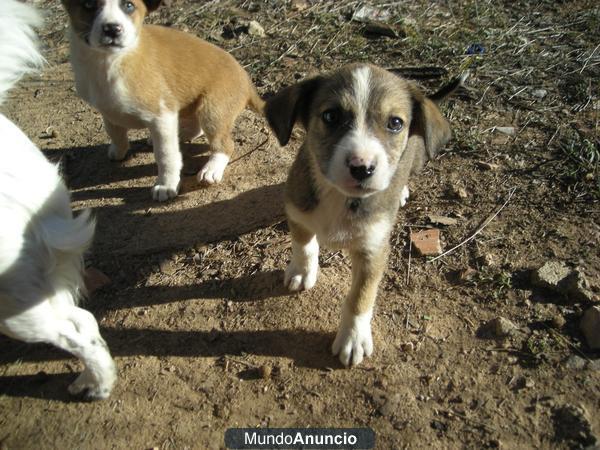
{"type": "Point", "coordinates": [409, 255]}
{"type": "Point", "coordinates": [251, 151]}
{"type": "Point", "coordinates": [588, 60]}
{"type": "Point", "coordinates": [479, 230]}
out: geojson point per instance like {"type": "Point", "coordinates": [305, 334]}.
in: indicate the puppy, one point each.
{"type": "Point", "coordinates": [367, 130]}
{"type": "Point", "coordinates": [41, 243]}
{"type": "Point", "coordinates": [143, 76]}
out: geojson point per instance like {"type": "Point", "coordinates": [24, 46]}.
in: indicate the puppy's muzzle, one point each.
{"type": "Point", "coordinates": [360, 169]}
{"type": "Point", "coordinates": [112, 30]}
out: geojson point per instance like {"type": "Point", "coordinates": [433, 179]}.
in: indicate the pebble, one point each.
{"type": "Point", "coordinates": [558, 277]}
{"type": "Point", "coordinates": [590, 327]}
{"type": "Point", "coordinates": [426, 242]}
{"type": "Point", "coordinates": [500, 327]}
{"type": "Point", "coordinates": [510, 131]}
{"type": "Point", "coordinates": [442, 220]}
{"type": "Point", "coordinates": [539, 93]}
{"type": "Point", "coordinates": [558, 321]}
{"type": "Point", "coordinates": [256, 29]}
{"type": "Point", "coordinates": [265, 372]}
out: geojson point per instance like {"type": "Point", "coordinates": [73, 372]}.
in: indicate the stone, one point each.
{"type": "Point", "coordinates": [558, 277]}
{"type": "Point", "coordinates": [442, 220]}
{"type": "Point", "coordinates": [426, 242]}
{"type": "Point", "coordinates": [487, 166]}
{"type": "Point", "coordinates": [575, 362]}
{"type": "Point", "coordinates": [510, 131]}
{"type": "Point", "coordinates": [539, 93]}
{"type": "Point", "coordinates": [590, 327]}
{"type": "Point", "coordinates": [256, 29]}
{"type": "Point", "coordinates": [499, 327]}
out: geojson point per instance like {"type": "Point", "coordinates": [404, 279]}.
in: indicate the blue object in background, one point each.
{"type": "Point", "coordinates": [475, 49]}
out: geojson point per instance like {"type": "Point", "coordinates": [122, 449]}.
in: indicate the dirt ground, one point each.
{"type": "Point", "coordinates": [196, 313]}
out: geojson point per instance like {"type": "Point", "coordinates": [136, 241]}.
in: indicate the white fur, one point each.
{"type": "Point", "coordinates": [111, 13]}
{"type": "Point", "coordinates": [213, 170]}
{"type": "Point", "coordinates": [404, 195]}
{"type": "Point", "coordinates": [18, 43]}
{"type": "Point", "coordinates": [302, 271]}
{"type": "Point", "coordinates": [353, 340]}
{"type": "Point", "coordinates": [165, 136]}
{"type": "Point", "coordinates": [362, 91]}
{"type": "Point", "coordinates": [41, 243]}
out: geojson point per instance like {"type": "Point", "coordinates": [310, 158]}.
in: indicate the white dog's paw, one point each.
{"type": "Point", "coordinates": [213, 170]}
{"type": "Point", "coordinates": [404, 195]}
{"type": "Point", "coordinates": [116, 154]}
{"type": "Point", "coordinates": [162, 193]}
{"type": "Point", "coordinates": [86, 386]}
{"type": "Point", "coordinates": [298, 278]}
{"type": "Point", "coordinates": [353, 340]}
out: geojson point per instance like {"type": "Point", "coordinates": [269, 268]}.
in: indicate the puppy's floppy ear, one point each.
{"type": "Point", "coordinates": [428, 123]}
{"type": "Point", "coordinates": [290, 105]}
{"type": "Point", "coordinates": [151, 5]}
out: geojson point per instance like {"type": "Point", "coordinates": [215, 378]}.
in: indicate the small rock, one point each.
{"type": "Point", "coordinates": [442, 220]}
{"type": "Point", "coordinates": [539, 93]}
{"type": "Point", "coordinates": [426, 242]}
{"type": "Point", "coordinates": [371, 14]}
{"type": "Point", "coordinates": [558, 321]}
{"type": "Point", "coordinates": [575, 362]}
{"type": "Point", "coordinates": [510, 131]}
{"type": "Point", "coordinates": [300, 5]}
{"type": "Point", "coordinates": [590, 327]}
{"type": "Point", "coordinates": [487, 166]}
{"type": "Point", "coordinates": [94, 280]}
{"type": "Point", "coordinates": [407, 347]}
{"type": "Point", "coordinates": [550, 275]}
{"type": "Point", "coordinates": [499, 327]}
{"type": "Point", "coordinates": [256, 29]}
{"type": "Point", "coordinates": [558, 277]}
{"type": "Point", "coordinates": [265, 372]}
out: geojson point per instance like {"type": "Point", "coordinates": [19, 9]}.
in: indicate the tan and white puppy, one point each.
{"type": "Point", "coordinates": [144, 76]}
{"type": "Point", "coordinates": [367, 130]}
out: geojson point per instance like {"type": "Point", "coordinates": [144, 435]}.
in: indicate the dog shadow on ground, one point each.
{"type": "Point", "coordinates": [307, 349]}
{"type": "Point", "coordinates": [122, 230]}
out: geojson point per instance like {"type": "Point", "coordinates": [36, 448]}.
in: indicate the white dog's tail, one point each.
{"type": "Point", "coordinates": [19, 52]}
{"type": "Point", "coordinates": [72, 235]}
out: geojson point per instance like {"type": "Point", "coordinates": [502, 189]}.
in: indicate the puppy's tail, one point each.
{"type": "Point", "coordinates": [256, 103]}
{"type": "Point", "coordinates": [450, 88]}
{"type": "Point", "coordinates": [19, 52]}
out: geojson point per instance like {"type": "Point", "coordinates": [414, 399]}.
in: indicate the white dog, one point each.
{"type": "Point", "coordinates": [41, 243]}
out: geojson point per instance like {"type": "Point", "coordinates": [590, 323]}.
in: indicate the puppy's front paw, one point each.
{"type": "Point", "coordinates": [162, 193]}
{"type": "Point", "coordinates": [300, 277]}
{"type": "Point", "coordinates": [213, 170]}
{"type": "Point", "coordinates": [115, 153]}
{"type": "Point", "coordinates": [353, 340]}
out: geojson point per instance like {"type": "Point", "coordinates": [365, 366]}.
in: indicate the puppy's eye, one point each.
{"type": "Point", "coordinates": [129, 7]}
{"type": "Point", "coordinates": [331, 116]}
{"type": "Point", "coordinates": [89, 4]}
{"type": "Point", "coordinates": [395, 124]}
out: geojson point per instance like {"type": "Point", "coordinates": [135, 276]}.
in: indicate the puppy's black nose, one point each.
{"type": "Point", "coordinates": [112, 30]}
{"type": "Point", "coordinates": [361, 172]}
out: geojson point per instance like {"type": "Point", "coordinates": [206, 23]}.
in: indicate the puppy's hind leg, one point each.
{"type": "Point", "coordinates": [117, 150]}
{"type": "Point", "coordinates": [219, 138]}
{"type": "Point", "coordinates": [74, 330]}
{"type": "Point", "coordinates": [301, 273]}
{"type": "Point", "coordinates": [353, 340]}
{"type": "Point", "coordinates": [165, 131]}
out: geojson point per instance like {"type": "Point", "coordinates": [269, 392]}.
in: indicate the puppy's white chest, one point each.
{"type": "Point", "coordinates": [331, 221]}
{"type": "Point", "coordinates": [101, 84]}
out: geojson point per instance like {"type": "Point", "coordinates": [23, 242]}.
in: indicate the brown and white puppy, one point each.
{"type": "Point", "coordinates": [367, 130]}
{"type": "Point", "coordinates": [144, 76]}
